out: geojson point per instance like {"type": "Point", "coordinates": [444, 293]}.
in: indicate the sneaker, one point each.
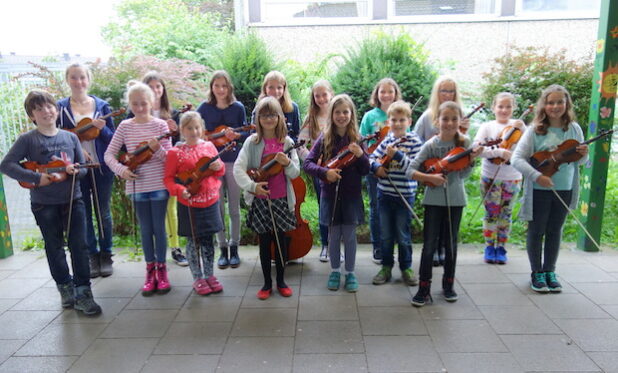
{"type": "Point", "coordinates": [490, 254]}
{"type": "Point", "coordinates": [163, 283]}
{"type": "Point", "coordinates": [201, 287]}
{"type": "Point", "coordinates": [334, 280]}
{"type": "Point", "coordinates": [264, 294]}
{"type": "Point", "coordinates": [552, 283]}
{"type": "Point", "coordinates": [95, 265]}
{"type": "Point", "coordinates": [150, 284]}
{"type": "Point", "coordinates": [214, 284]}
{"type": "Point", "coordinates": [383, 276]}
{"type": "Point", "coordinates": [84, 302]}
{"type": "Point", "coordinates": [377, 255]}
{"type": "Point", "coordinates": [538, 282]}
{"type": "Point", "coordinates": [234, 258]}
{"type": "Point", "coordinates": [67, 294]}
{"type": "Point", "coordinates": [341, 257]}
{"type": "Point", "coordinates": [501, 255]}
{"type": "Point", "coordinates": [351, 283]}
{"type": "Point", "coordinates": [436, 259]}
{"type": "Point", "coordinates": [324, 254]}
{"type": "Point", "coordinates": [408, 277]}
{"type": "Point", "coordinates": [179, 257]}
{"type": "Point", "coordinates": [106, 264]}
{"type": "Point", "coordinates": [423, 295]}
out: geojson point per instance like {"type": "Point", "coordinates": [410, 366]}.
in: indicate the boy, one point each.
{"type": "Point", "coordinates": [51, 200]}
{"type": "Point", "coordinates": [401, 146]}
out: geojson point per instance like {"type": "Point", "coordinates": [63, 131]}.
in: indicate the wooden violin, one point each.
{"type": "Point", "coordinates": [56, 168]}
{"type": "Point", "coordinates": [345, 157]}
{"type": "Point", "coordinates": [548, 162]}
{"type": "Point", "coordinates": [86, 130]}
{"type": "Point", "coordinates": [192, 179]}
{"type": "Point", "coordinates": [269, 166]}
{"type": "Point", "coordinates": [217, 136]}
{"type": "Point", "coordinates": [386, 160]}
{"type": "Point", "coordinates": [379, 136]}
{"type": "Point", "coordinates": [141, 154]}
{"type": "Point", "coordinates": [510, 136]}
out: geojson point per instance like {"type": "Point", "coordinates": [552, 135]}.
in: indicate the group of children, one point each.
{"type": "Point", "coordinates": [334, 155]}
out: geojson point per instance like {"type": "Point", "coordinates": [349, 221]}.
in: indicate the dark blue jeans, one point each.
{"type": "Point", "coordinates": [104, 184]}
{"type": "Point", "coordinates": [435, 218]}
{"type": "Point", "coordinates": [53, 220]}
{"type": "Point", "coordinates": [323, 228]}
{"type": "Point", "coordinates": [374, 215]}
{"type": "Point", "coordinates": [395, 221]}
{"type": "Point", "coordinates": [548, 216]}
{"type": "Point", "coordinates": [151, 208]}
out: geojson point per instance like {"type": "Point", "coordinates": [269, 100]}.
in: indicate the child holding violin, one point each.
{"type": "Point", "coordinates": [145, 183]}
{"type": "Point", "coordinates": [272, 202]}
{"type": "Point", "coordinates": [198, 214]}
{"type": "Point", "coordinates": [57, 205]}
{"type": "Point", "coordinates": [275, 85]}
{"type": "Point", "coordinates": [341, 202]}
{"type": "Point", "coordinates": [500, 181]}
{"type": "Point", "coordinates": [545, 196]}
{"type": "Point", "coordinates": [445, 196]}
{"type": "Point", "coordinates": [389, 162]}
{"type": "Point", "coordinates": [74, 109]}
{"type": "Point", "coordinates": [385, 92]}
{"type": "Point", "coordinates": [222, 112]}
{"type": "Point", "coordinates": [313, 126]}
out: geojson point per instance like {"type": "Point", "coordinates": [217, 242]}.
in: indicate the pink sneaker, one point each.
{"type": "Point", "coordinates": [150, 285]}
{"type": "Point", "coordinates": [201, 287]}
{"type": "Point", "coordinates": [163, 284]}
{"type": "Point", "coordinates": [214, 284]}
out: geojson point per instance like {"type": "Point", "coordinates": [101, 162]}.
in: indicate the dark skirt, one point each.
{"type": "Point", "coordinates": [260, 220]}
{"type": "Point", "coordinates": [206, 220]}
{"type": "Point", "coordinates": [350, 210]}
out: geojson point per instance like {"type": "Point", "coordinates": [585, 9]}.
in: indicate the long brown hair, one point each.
{"type": "Point", "coordinates": [286, 99]}
{"type": "Point", "coordinates": [165, 107]}
{"type": "Point", "coordinates": [311, 120]}
{"type": "Point", "coordinates": [270, 105]}
{"type": "Point", "coordinates": [230, 87]}
{"type": "Point", "coordinates": [374, 101]}
{"type": "Point", "coordinates": [541, 122]}
{"type": "Point", "coordinates": [330, 131]}
{"type": "Point", "coordinates": [459, 139]}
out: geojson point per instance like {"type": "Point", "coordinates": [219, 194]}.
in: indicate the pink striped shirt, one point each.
{"type": "Point", "coordinates": [131, 134]}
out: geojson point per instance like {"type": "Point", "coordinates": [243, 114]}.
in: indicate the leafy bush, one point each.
{"type": "Point", "coordinates": [398, 57]}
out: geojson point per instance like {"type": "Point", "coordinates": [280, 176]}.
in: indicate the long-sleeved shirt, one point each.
{"type": "Point", "coordinates": [492, 130]}
{"type": "Point", "coordinates": [233, 116]}
{"type": "Point", "coordinates": [424, 127]}
{"type": "Point", "coordinates": [406, 152]}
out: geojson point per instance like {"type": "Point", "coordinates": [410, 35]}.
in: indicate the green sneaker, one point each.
{"type": "Point", "coordinates": [408, 277]}
{"type": "Point", "coordinates": [383, 276]}
{"type": "Point", "coordinates": [334, 281]}
{"type": "Point", "coordinates": [351, 284]}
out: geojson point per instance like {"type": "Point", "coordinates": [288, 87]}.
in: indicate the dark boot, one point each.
{"type": "Point", "coordinates": [106, 264]}
{"type": "Point", "coordinates": [95, 265]}
{"type": "Point", "coordinates": [423, 295]}
{"type": "Point", "coordinates": [67, 294]}
{"type": "Point", "coordinates": [234, 259]}
{"type": "Point", "coordinates": [223, 262]}
{"type": "Point", "coordinates": [447, 286]}
{"type": "Point", "coordinates": [84, 301]}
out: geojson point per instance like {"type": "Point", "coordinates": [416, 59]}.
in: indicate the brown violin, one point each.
{"type": "Point", "coordinates": [141, 154]}
{"type": "Point", "coordinates": [86, 130]}
{"type": "Point", "coordinates": [386, 160]}
{"type": "Point", "coordinates": [379, 136]}
{"type": "Point", "coordinates": [345, 157]}
{"type": "Point", "coordinates": [192, 179]}
{"type": "Point", "coordinates": [510, 136]}
{"type": "Point", "coordinates": [269, 167]}
{"type": "Point", "coordinates": [217, 136]}
{"type": "Point", "coordinates": [56, 168]}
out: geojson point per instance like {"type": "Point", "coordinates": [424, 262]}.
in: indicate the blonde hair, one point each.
{"type": "Point", "coordinates": [189, 117]}
{"type": "Point", "coordinates": [541, 122]}
{"type": "Point", "coordinates": [134, 86]}
{"type": "Point", "coordinates": [434, 100]}
{"type": "Point", "coordinates": [286, 100]}
{"type": "Point", "coordinates": [400, 107]}
{"type": "Point", "coordinates": [78, 65]}
{"type": "Point", "coordinates": [165, 108]}
{"type": "Point", "coordinates": [311, 120]}
{"type": "Point", "coordinates": [502, 95]}
{"type": "Point", "coordinates": [230, 87]}
{"type": "Point", "coordinates": [451, 105]}
{"type": "Point", "coordinates": [374, 101]}
{"type": "Point", "coordinates": [270, 105]}
{"type": "Point", "coordinates": [330, 131]}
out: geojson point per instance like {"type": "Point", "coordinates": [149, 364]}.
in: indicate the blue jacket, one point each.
{"type": "Point", "coordinates": [232, 116]}
{"type": "Point", "coordinates": [66, 121]}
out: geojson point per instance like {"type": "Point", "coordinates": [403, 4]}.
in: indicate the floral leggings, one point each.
{"type": "Point", "coordinates": [498, 209]}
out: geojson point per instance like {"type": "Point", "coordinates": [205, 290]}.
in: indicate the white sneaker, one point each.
{"type": "Point", "coordinates": [324, 254]}
{"type": "Point", "coordinates": [342, 257]}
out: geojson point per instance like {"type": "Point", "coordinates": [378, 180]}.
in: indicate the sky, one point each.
{"type": "Point", "coordinates": [51, 27]}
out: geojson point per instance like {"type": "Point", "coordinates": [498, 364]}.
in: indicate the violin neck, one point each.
{"type": "Point", "coordinates": [458, 156]}
{"type": "Point", "coordinates": [598, 137]}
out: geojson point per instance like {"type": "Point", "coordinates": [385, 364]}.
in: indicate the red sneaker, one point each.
{"type": "Point", "coordinates": [264, 294]}
{"type": "Point", "coordinates": [285, 292]}
{"type": "Point", "coordinates": [163, 284]}
{"type": "Point", "coordinates": [201, 287]}
{"type": "Point", "coordinates": [214, 284]}
{"type": "Point", "coordinates": [150, 284]}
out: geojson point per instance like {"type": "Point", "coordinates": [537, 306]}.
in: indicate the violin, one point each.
{"type": "Point", "coordinates": [192, 179]}
{"type": "Point", "coordinates": [479, 107]}
{"type": "Point", "coordinates": [56, 168]}
{"type": "Point", "coordinates": [510, 136]}
{"type": "Point", "coordinates": [548, 162]}
{"type": "Point", "coordinates": [269, 167]}
{"type": "Point", "coordinates": [345, 157]}
{"type": "Point", "coordinates": [217, 136]}
{"type": "Point", "coordinates": [141, 154]}
{"type": "Point", "coordinates": [86, 130]}
{"type": "Point", "coordinates": [379, 136]}
{"type": "Point", "coordinates": [386, 160]}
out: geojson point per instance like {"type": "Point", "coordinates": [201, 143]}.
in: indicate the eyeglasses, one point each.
{"type": "Point", "coordinates": [269, 116]}
{"type": "Point", "coordinates": [447, 91]}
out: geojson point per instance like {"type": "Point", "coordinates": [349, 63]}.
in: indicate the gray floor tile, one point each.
{"type": "Point", "coordinates": [600, 293]}
{"type": "Point", "coordinates": [578, 272]}
{"type": "Point", "coordinates": [334, 363]}
{"type": "Point", "coordinates": [35, 270]}
{"type": "Point", "coordinates": [313, 267]}
{"type": "Point", "coordinates": [170, 301]}
{"type": "Point", "coordinates": [608, 361]}
{"type": "Point", "coordinates": [8, 347]}
{"type": "Point", "coordinates": [6, 304]}
{"type": "Point", "coordinates": [32, 364]}
{"type": "Point", "coordinates": [329, 337]}
{"type": "Point", "coordinates": [24, 324]}
{"type": "Point", "coordinates": [140, 324]}
{"type": "Point", "coordinates": [365, 272]}
{"type": "Point", "coordinates": [480, 363]}
{"type": "Point", "coordinates": [274, 301]}
{"type": "Point", "coordinates": [481, 273]}
{"type": "Point", "coordinates": [548, 353]}
{"type": "Point", "coordinates": [61, 340]}
{"type": "Point", "coordinates": [5, 273]}
{"type": "Point", "coordinates": [383, 296]}
{"type": "Point", "coordinates": [271, 322]}
{"type": "Point", "coordinates": [20, 287]}
{"type": "Point", "coordinates": [194, 338]}
{"type": "Point", "coordinates": [519, 264]}
{"type": "Point", "coordinates": [181, 363]}
{"type": "Point", "coordinates": [42, 299]}
{"type": "Point", "coordinates": [464, 336]}
{"type": "Point", "coordinates": [519, 320]}
{"type": "Point", "coordinates": [209, 309]}
{"type": "Point", "coordinates": [292, 275]}
{"type": "Point", "coordinates": [391, 321]}
{"type": "Point", "coordinates": [603, 260]}
{"type": "Point", "coordinates": [129, 355]}
{"type": "Point", "coordinates": [256, 355]}
{"type": "Point", "coordinates": [118, 287]}
{"type": "Point", "coordinates": [125, 268]}
{"type": "Point", "coordinates": [568, 306]}
{"type": "Point", "coordinates": [402, 354]}
{"type": "Point", "coordinates": [496, 294]}
{"type": "Point", "coordinates": [612, 310]}
{"type": "Point", "coordinates": [592, 335]}
{"type": "Point", "coordinates": [233, 286]}
{"type": "Point", "coordinates": [440, 309]}
{"type": "Point", "coordinates": [19, 260]}
{"type": "Point", "coordinates": [316, 285]}
{"type": "Point", "coordinates": [111, 308]}
{"type": "Point", "coordinates": [325, 307]}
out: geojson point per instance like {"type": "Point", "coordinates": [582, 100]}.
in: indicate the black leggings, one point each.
{"type": "Point", "coordinates": [435, 218]}
{"type": "Point", "coordinates": [266, 239]}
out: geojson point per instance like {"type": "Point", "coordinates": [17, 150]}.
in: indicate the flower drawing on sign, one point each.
{"type": "Point", "coordinates": [600, 45]}
{"type": "Point", "coordinates": [606, 112]}
{"type": "Point", "coordinates": [614, 32]}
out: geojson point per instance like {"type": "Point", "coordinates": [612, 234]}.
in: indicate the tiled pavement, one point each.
{"type": "Point", "coordinates": [498, 324]}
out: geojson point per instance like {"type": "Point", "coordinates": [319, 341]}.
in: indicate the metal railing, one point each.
{"type": "Point", "coordinates": [13, 117]}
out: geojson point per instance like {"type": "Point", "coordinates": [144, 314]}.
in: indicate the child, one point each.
{"type": "Point", "coordinates": [51, 201]}
{"type": "Point", "coordinates": [313, 126]}
{"type": "Point", "coordinates": [341, 203]}
{"type": "Point", "coordinates": [502, 180]}
{"type": "Point", "coordinates": [146, 187]}
{"type": "Point", "coordinates": [273, 200]}
{"type": "Point", "coordinates": [198, 215]}
{"type": "Point", "coordinates": [221, 108]}
{"type": "Point", "coordinates": [443, 203]}
{"type": "Point", "coordinates": [73, 109]}
{"type": "Point", "coordinates": [554, 122]}
{"type": "Point", "coordinates": [394, 216]}
{"type": "Point", "coordinates": [384, 94]}
{"type": "Point", "coordinates": [276, 86]}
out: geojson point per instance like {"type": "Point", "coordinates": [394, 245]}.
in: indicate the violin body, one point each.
{"type": "Point", "coordinates": [217, 136]}
{"type": "Point", "coordinates": [192, 179]}
{"type": "Point", "coordinates": [55, 168]}
{"type": "Point", "coordinates": [86, 130]}
{"type": "Point", "coordinates": [269, 167]}
{"type": "Point", "coordinates": [141, 154]}
{"type": "Point", "coordinates": [510, 136]}
{"type": "Point", "coordinates": [457, 159]}
{"type": "Point", "coordinates": [345, 157]}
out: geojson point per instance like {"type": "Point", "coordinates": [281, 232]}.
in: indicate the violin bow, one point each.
{"type": "Point", "coordinates": [450, 218]}
{"type": "Point", "coordinates": [71, 206]}
{"type": "Point", "coordinates": [195, 245]}
{"type": "Point", "coordinates": [95, 193]}
{"type": "Point", "coordinates": [272, 217]}
{"type": "Point", "coordinates": [405, 202]}
{"type": "Point", "coordinates": [576, 219]}
{"type": "Point", "coordinates": [418, 101]}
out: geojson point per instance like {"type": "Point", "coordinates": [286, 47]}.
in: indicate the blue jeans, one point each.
{"type": "Point", "coordinates": [52, 220]}
{"type": "Point", "coordinates": [323, 228]}
{"type": "Point", "coordinates": [104, 182]}
{"type": "Point", "coordinates": [374, 215]}
{"type": "Point", "coordinates": [395, 221]}
{"type": "Point", "coordinates": [151, 208]}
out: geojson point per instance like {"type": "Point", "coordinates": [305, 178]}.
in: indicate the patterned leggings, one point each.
{"type": "Point", "coordinates": [207, 252]}
{"type": "Point", "coordinates": [498, 209]}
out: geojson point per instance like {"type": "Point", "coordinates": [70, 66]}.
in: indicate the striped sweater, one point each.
{"type": "Point", "coordinates": [397, 168]}
{"type": "Point", "coordinates": [131, 134]}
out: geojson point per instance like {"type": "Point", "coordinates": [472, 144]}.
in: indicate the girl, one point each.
{"type": "Point", "coordinates": [384, 94]}
{"type": "Point", "coordinates": [146, 187]}
{"type": "Point", "coordinates": [221, 108]}
{"type": "Point", "coordinates": [443, 203]}
{"type": "Point", "coordinates": [273, 200]}
{"type": "Point", "coordinates": [313, 126]}
{"type": "Point", "coordinates": [341, 189]}
{"type": "Point", "coordinates": [276, 86]}
{"type": "Point", "coordinates": [199, 216]}
{"type": "Point", "coordinates": [73, 109]}
{"type": "Point", "coordinates": [542, 206]}
{"type": "Point", "coordinates": [500, 183]}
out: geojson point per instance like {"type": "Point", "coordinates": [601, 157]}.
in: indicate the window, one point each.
{"type": "Point", "coordinates": [557, 7]}
{"type": "Point", "coordinates": [296, 11]}
{"type": "Point", "coordinates": [440, 7]}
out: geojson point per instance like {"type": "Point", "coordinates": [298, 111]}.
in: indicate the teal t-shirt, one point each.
{"type": "Point", "coordinates": [563, 179]}
{"type": "Point", "coordinates": [373, 121]}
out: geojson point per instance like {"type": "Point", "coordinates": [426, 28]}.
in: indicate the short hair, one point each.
{"type": "Point", "coordinates": [400, 107]}
{"type": "Point", "coordinates": [36, 98]}
{"type": "Point", "coordinates": [135, 86]}
{"type": "Point", "coordinates": [80, 66]}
